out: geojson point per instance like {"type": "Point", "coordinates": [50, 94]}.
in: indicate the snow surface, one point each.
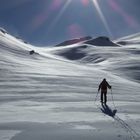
{"type": "Point", "coordinates": [51, 95]}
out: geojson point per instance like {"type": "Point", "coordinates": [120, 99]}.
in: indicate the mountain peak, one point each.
{"type": "Point", "coordinates": [74, 41]}
{"type": "Point", "coordinates": [101, 41]}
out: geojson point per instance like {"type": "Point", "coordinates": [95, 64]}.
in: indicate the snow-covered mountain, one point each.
{"type": "Point", "coordinates": [74, 41]}
{"type": "Point", "coordinates": [130, 40]}
{"type": "Point", "coordinates": [99, 41]}
{"type": "Point", "coordinates": [51, 93]}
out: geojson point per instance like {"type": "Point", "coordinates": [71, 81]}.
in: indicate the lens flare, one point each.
{"type": "Point", "coordinates": [85, 2]}
{"type": "Point", "coordinates": [96, 4]}
{"type": "Point", "coordinates": [128, 18]}
{"type": "Point", "coordinates": [59, 15]}
{"type": "Point", "coordinates": [75, 30]}
{"type": "Point", "coordinates": [55, 5]}
{"type": "Point", "coordinates": [38, 20]}
{"type": "Point", "coordinates": [44, 14]}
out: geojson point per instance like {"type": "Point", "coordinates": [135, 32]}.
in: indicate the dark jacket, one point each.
{"type": "Point", "coordinates": [104, 85]}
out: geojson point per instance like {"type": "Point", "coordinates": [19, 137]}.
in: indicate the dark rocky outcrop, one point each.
{"type": "Point", "coordinates": [3, 31]}
{"type": "Point", "coordinates": [31, 52]}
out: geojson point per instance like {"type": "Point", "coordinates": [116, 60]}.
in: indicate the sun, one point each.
{"type": "Point", "coordinates": [62, 6]}
{"type": "Point", "coordinates": [84, 2]}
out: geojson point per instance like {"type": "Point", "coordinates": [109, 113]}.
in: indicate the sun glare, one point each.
{"type": "Point", "coordinates": [60, 14]}
{"type": "Point", "coordinates": [61, 7]}
{"type": "Point", "coordinates": [96, 4]}
{"type": "Point", "coordinates": [85, 2]}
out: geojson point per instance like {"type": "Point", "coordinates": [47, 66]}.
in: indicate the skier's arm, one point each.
{"type": "Point", "coordinates": [99, 87]}
{"type": "Point", "coordinates": [108, 86]}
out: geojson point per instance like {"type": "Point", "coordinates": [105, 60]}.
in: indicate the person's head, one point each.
{"type": "Point", "coordinates": [104, 79]}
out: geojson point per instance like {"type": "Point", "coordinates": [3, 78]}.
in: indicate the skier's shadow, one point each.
{"type": "Point", "coordinates": [108, 111]}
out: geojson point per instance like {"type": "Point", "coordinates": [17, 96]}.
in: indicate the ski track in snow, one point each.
{"type": "Point", "coordinates": [46, 96]}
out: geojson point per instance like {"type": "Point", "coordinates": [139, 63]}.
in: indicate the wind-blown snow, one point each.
{"type": "Point", "coordinates": [50, 95]}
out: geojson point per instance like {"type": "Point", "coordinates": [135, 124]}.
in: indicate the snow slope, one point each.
{"type": "Point", "coordinates": [50, 95]}
{"type": "Point", "coordinates": [130, 40]}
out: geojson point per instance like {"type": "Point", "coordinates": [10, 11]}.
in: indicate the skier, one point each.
{"type": "Point", "coordinates": [103, 86]}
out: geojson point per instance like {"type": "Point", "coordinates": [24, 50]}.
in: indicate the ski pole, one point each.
{"type": "Point", "coordinates": [96, 97]}
{"type": "Point", "coordinates": [113, 99]}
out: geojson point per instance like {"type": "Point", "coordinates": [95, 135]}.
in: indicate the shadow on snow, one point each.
{"type": "Point", "coordinates": [112, 113]}
{"type": "Point", "coordinates": [108, 111]}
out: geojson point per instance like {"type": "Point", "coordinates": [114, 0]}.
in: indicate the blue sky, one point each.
{"type": "Point", "coordinates": [48, 22]}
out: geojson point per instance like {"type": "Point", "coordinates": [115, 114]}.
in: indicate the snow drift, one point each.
{"type": "Point", "coordinates": [130, 40]}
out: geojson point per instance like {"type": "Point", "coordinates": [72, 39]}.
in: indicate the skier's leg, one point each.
{"type": "Point", "coordinates": [105, 97]}
{"type": "Point", "coordinates": [101, 97]}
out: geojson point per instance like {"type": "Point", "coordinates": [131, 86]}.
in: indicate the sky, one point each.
{"type": "Point", "coordinates": [49, 22]}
